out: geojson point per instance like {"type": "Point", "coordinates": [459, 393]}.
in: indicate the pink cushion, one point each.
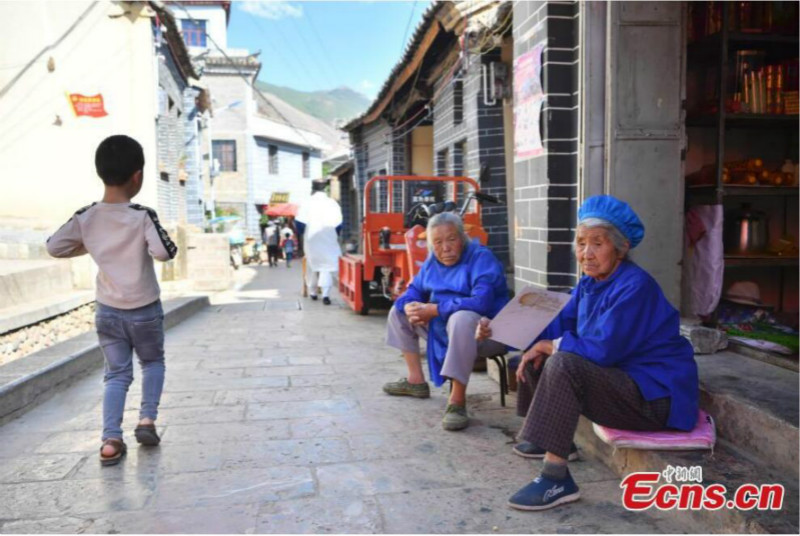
{"type": "Point", "coordinates": [702, 437]}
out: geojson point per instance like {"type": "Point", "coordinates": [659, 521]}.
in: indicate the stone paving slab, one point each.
{"type": "Point", "coordinates": [273, 421]}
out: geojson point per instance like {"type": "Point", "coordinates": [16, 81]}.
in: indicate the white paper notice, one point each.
{"type": "Point", "coordinates": [526, 316]}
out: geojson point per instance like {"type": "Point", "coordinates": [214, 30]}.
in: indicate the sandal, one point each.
{"type": "Point", "coordinates": [146, 435]}
{"type": "Point", "coordinates": [119, 451]}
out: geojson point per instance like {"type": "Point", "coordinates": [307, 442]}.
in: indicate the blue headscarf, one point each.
{"type": "Point", "coordinates": [618, 213]}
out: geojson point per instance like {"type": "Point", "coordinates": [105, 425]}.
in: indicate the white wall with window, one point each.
{"type": "Point", "coordinates": [297, 166]}
{"type": "Point", "coordinates": [212, 17]}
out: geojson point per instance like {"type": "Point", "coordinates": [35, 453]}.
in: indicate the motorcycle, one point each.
{"type": "Point", "coordinates": [251, 251]}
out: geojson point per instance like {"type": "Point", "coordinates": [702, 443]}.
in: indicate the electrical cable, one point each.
{"type": "Point", "coordinates": [396, 136]}
{"type": "Point", "coordinates": [408, 25]}
{"type": "Point", "coordinates": [314, 58]}
{"type": "Point", "coordinates": [310, 72]}
{"type": "Point", "coordinates": [502, 28]}
{"type": "Point", "coordinates": [321, 44]}
{"type": "Point", "coordinates": [254, 20]}
{"type": "Point", "coordinates": [47, 48]}
{"type": "Point", "coordinates": [247, 80]}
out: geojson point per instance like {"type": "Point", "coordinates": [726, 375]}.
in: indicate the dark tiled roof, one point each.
{"type": "Point", "coordinates": [428, 19]}
{"type": "Point", "coordinates": [342, 168]}
{"type": "Point", "coordinates": [175, 41]}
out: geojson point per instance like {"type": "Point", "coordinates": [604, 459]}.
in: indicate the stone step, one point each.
{"type": "Point", "coordinates": [23, 281]}
{"type": "Point", "coordinates": [23, 242]}
{"type": "Point", "coordinates": [33, 312]}
{"type": "Point", "coordinates": [754, 405]}
{"type": "Point", "coordinates": [726, 465]}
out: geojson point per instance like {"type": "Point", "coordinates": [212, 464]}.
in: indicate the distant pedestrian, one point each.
{"type": "Point", "coordinates": [288, 246]}
{"type": "Point", "coordinates": [272, 238]}
{"type": "Point", "coordinates": [121, 237]}
{"type": "Point", "coordinates": [319, 220]}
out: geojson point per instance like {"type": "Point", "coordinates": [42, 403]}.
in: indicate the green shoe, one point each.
{"type": "Point", "coordinates": [402, 388]}
{"type": "Point", "coordinates": [455, 418]}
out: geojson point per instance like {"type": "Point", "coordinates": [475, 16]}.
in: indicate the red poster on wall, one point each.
{"type": "Point", "coordinates": [89, 105]}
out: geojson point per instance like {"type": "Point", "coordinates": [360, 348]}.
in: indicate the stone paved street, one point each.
{"type": "Point", "coordinates": [273, 421]}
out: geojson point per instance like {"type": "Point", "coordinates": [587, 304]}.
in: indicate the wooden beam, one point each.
{"type": "Point", "coordinates": [444, 65]}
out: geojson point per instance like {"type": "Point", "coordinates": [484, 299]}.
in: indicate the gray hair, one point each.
{"type": "Point", "coordinates": [446, 218]}
{"type": "Point", "coordinates": [621, 244]}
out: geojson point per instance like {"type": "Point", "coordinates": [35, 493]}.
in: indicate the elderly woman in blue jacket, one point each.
{"type": "Point", "coordinates": [613, 354]}
{"type": "Point", "coordinates": [460, 282]}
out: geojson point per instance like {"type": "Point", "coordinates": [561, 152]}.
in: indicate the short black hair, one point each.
{"type": "Point", "coordinates": [117, 158]}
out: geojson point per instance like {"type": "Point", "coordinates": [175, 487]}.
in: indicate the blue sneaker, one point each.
{"type": "Point", "coordinates": [544, 493]}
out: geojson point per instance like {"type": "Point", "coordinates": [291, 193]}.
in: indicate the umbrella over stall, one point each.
{"type": "Point", "coordinates": [286, 210]}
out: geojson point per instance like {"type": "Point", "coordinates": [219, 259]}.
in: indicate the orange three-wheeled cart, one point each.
{"type": "Point", "coordinates": [393, 241]}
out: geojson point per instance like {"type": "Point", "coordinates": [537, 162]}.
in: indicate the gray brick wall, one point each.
{"type": "Point", "coordinates": [546, 186]}
{"type": "Point", "coordinates": [481, 131]}
{"type": "Point", "coordinates": [170, 131]}
{"type": "Point", "coordinates": [194, 151]}
{"type": "Point", "coordinates": [348, 202]}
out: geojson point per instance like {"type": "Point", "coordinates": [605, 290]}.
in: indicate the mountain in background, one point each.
{"type": "Point", "coordinates": [336, 104]}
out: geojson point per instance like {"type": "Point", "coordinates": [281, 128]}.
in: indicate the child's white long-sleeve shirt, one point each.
{"type": "Point", "coordinates": [121, 238]}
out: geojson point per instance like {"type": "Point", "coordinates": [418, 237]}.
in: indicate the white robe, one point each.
{"type": "Point", "coordinates": [321, 215]}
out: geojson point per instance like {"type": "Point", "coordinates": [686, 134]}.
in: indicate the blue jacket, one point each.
{"type": "Point", "coordinates": [477, 282]}
{"type": "Point", "coordinates": [626, 322]}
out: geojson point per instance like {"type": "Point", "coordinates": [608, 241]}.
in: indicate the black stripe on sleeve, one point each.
{"type": "Point", "coordinates": [166, 241]}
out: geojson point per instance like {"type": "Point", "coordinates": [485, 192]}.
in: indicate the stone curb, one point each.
{"type": "Point", "coordinates": [59, 365]}
{"type": "Point", "coordinates": [42, 312]}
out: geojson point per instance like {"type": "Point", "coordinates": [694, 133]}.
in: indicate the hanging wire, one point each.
{"type": "Point", "coordinates": [247, 80]}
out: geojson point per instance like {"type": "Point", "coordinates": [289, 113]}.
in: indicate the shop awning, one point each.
{"type": "Point", "coordinates": [285, 210]}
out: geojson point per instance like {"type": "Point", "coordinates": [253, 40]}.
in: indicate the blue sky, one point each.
{"type": "Point", "coordinates": [322, 45]}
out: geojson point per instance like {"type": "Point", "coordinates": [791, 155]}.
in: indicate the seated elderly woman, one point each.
{"type": "Point", "coordinates": [457, 285]}
{"type": "Point", "coordinates": [613, 354]}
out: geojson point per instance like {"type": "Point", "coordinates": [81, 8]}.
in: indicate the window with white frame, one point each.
{"type": "Point", "coordinates": [194, 32]}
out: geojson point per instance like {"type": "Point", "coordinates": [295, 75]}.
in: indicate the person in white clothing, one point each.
{"type": "Point", "coordinates": [319, 221]}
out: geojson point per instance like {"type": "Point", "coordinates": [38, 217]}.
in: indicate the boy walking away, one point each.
{"type": "Point", "coordinates": [121, 237]}
{"type": "Point", "coordinates": [288, 249]}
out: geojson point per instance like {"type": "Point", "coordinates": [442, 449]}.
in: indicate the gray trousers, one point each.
{"type": "Point", "coordinates": [462, 348]}
{"type": "Point", "coordinates": [553, 398]}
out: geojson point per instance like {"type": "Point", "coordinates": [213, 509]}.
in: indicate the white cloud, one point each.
{"type": "Point", "coordinates": [368, 87]}
{"type": "Point", "coordinates": [271, 9]}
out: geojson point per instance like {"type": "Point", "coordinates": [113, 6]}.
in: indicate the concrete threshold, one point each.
{"type": "Point", "coordinates": [754, 405]}
{"type": "Point", "coordinates": [26, 382]}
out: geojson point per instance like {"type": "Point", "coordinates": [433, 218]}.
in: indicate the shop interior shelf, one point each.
{"type": "Point", "coordinates": [746, 121]}
{"type": "Point", "coordinates": [745, 191]}
{"type": "Point", "coordinates": [708, 47]}
{"type": "Point", "coordinates": [760, 260]}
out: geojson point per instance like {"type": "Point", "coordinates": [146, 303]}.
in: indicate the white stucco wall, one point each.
{"type": "Point", "coordinates": [48, 170]}
{"type": "Point", "coordinates": [216, 25]}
